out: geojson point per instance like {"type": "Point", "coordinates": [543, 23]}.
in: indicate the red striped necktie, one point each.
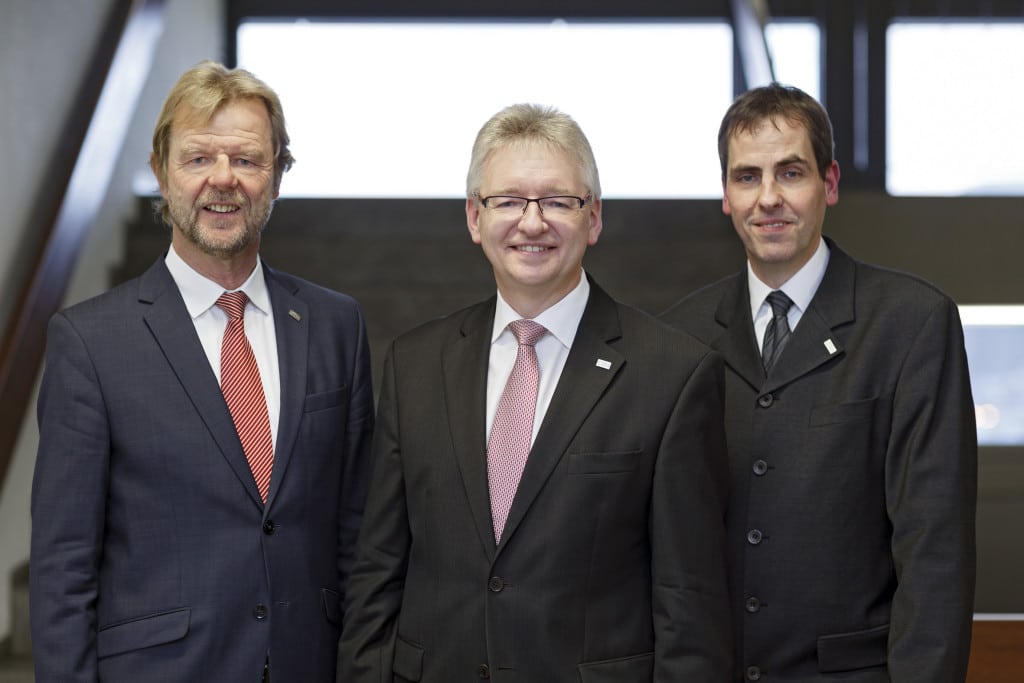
{"type": "Point", "coordinates": [243, 391]}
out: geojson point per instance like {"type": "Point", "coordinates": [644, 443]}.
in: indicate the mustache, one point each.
{"type": "Point", "coordinates": [223, 198]}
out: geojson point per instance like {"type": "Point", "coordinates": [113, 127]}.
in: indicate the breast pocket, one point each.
{"type": "Point", "coordinates": [841, 413]}
{"type": "Point", "coordinates": [616, 462]}
{"type": "Point", "coordinates": [326, 400]}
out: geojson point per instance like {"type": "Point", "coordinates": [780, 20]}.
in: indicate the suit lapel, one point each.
{"type": "Point", "coordinates": [736, 342]}
{"type": "Point", "coordinates": [580, 386]}
{"type": "Point", "coordinates": [814, 340]}
{"type": "Point", "coordinates": [464, 367]}
{"type": "Point", "coordinates": [171, 326]}
{"type": "Point", "coordinates": [291, 329]}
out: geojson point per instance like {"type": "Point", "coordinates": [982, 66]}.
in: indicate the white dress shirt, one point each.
{"type": "Point", "coordinates": [561, 321]}
{"type": "Point", "coordinates": [201, 294]}
{"type": "Point", "coordinates": [800, 289]}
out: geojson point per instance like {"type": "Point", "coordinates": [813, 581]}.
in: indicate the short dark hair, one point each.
{"type": "Point", "coordinates": [773, 102]}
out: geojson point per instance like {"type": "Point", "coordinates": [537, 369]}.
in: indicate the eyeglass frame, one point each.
{"type": "Point", "coordinates": [582, 200]}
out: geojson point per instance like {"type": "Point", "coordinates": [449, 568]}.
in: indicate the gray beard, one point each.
{"type": "Point", "coordinates": [190, 229]}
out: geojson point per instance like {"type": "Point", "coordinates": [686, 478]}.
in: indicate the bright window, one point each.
{"type": "Point", "coordinates": [954, 96]}
{"type": "Point", "coordinates": [994, 336]}
{"type": "Point", "coordinates": [390, 108]}
{"type": "Point", "coordinates": [795, 49]}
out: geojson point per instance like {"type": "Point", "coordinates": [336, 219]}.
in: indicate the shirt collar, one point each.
{"type": "Point", "coordinates": [561, 320]}
{"type": "Point", "coordinates": [800, 288]}
{"type": "Point", "coordinates": [201, 293]}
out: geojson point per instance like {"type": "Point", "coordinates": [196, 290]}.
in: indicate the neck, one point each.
{"type": "Point", "coordinates": [230, 272]}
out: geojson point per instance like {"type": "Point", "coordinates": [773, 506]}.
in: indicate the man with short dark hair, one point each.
{"type": "Point", "coordinates": [850, 422]}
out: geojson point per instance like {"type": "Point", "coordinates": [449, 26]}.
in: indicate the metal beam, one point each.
{"type": "Point", "coordinates": [94, 144]}
{"type": "Point", "coordinates": [749, 18]}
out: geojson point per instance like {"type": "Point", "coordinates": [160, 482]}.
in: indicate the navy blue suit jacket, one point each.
{"type": "Point", "coordinates": [153, 557]}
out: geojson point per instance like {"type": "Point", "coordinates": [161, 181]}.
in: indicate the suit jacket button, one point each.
{"type": "Point", "coordinates": [269, 527]}
{"type": "Point", "coordinates": [483, 671]}
{"type": "Point", "coordinates": [754, 536]}
{"type": "Point", "coordinates": [765, 401]}
{"type": "Point", "coordinates": [753, 605]}
{"type": "Point", "coordinates": [760, 467]}
{"type": "Point", "coordinates": [259, 611]}
{"type": "Point", "coordinates": [496, 584]}
{"type": "Point", "coordinates": [753, 673]}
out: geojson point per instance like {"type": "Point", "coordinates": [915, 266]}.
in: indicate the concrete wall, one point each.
{"type": "Point", "coordinates": [44, 45]}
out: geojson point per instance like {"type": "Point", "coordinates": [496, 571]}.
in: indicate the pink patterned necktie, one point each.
{"type": "Point", "coordinates": [243, 391]}
{"type": "Point", "coordinates": [512, 431]}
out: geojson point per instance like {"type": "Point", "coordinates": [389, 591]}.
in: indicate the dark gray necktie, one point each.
{"type": "Point", "coordinates": [777, 333]}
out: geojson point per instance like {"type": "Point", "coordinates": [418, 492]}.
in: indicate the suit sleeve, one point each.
{"type": "Point", "coordinates": [68, 503]}
{"type": "Point", "coordinates": [374, 595]}
{"type": "Point", "coordinates": [931, 492]}
{"type": "Point", "coordinates": [692, 628]}
{"type": "Point", "coordinates": [356, 451]}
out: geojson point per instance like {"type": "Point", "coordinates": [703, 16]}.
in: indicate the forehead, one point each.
{"type": "Point", "coordinates": [531, 164]}
{"type": "Point", "coordinates": [768, 140]}
{"type": "Point", "coordinates": [237, 122]}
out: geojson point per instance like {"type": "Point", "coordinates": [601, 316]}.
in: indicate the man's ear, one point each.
{"type": "Point", "coordinates": [159, 174]}
{"type": "Point", "coordinates": [473, 219]}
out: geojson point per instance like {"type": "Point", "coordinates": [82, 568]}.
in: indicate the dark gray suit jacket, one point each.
{"type": "Point", "coordinates": [851, 516]}
{"type": "Point", "coordinates": [611, 565]}
{"type": "Point", "coordinates": [153, 557]}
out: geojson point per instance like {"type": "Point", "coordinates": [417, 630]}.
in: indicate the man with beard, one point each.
{"type": "Point", "coordinates": [203, 432]}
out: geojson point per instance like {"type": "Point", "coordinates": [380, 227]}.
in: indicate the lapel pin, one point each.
{"type": "Point", "coordinates": [830, 347]}
{"type": "Point", "coordinates": [293, 313]}
{"type": "Point", "coordinates": [604, 364]}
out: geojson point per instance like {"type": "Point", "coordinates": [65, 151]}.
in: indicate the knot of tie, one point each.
{"type": "Point", "coordinates": [527, 332]}
{"type": "Point", "coordinates": [779, 302]}
{"type": "Point", "coordinates": [233, 303]}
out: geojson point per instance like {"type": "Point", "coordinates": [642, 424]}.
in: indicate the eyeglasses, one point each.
{"type": "Point", "coordinates": [560, 206]}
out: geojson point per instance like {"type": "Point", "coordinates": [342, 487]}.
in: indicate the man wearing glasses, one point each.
{"type": "Point", "coordinates": [548, 486]}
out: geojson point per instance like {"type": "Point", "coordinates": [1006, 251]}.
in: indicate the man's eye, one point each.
{"type": "Point", "coordinates": [196, 161]}
{"type": "Point", "coordinates": [557, 203]}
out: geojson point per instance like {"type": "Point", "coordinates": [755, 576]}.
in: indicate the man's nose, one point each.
{"type": "Point", "coordinates": [221, 174]}
{"type": "Point", "coordinates": [532, 220]}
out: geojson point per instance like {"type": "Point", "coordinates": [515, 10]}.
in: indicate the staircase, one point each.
{"type": "Point", "coordinates": [16, 649]}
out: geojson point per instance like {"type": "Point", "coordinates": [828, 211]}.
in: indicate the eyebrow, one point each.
{"type": "Point", "coordinates": [246, 149]}
{"type": "Point", "coordinates": [515, 192]}
{"type": "Point", "coordinates": [782, 163]}
{"type": "Point", "coordinates": [791, 160]}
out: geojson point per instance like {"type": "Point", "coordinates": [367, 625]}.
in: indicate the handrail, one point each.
{"type": "Point", "coordinates": [83, 165]}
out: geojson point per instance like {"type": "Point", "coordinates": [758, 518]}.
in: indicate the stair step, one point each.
{"type": "Point", "coordinates": [16, 670]}
{"type": "Point", "coordinates": [20, 640]}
